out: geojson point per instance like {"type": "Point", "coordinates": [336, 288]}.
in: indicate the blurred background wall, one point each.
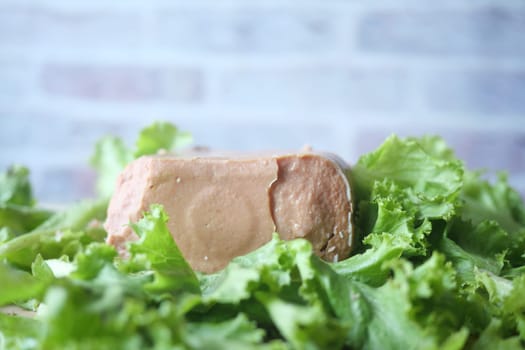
{"type": "Point", "coordinates": [338, 75]}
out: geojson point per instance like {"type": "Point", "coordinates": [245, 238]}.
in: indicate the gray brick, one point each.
{"type": "Point", "coordinates": [315, 90]}
{"type": "Point", "coordinates": [246, 30]}
{"type": "Point", "coordinates": [52, 27]}
{"type": "Point", "coordinates": [17, 79]}
{"type": "Point", "coordinates": [100, 82]}
{"type": "Point", "coordinates": [487, 92]}
{"type": "Point", "coordinates": [121, 82]}
{"type": "Point", "coordinates": [489, 31]}
{"type": "Point", "coordinates": [181, 84]}
{"type": "Point", "coordinates": [39, 137]}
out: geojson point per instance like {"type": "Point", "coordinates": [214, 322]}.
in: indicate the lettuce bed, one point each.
{"type": "Point", "coordinates": [439, 264]}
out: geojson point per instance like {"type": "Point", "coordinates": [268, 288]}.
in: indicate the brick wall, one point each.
{"type": "Point", "coordinates": [340, 75]}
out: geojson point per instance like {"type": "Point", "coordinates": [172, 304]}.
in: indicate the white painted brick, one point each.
{"type": "Point", "coordinates": [243, 30]}
{"type": "Point", "coordinates": [482, 92]}
{"type": "Point", "coordinates": [260, 136]}
{"type": "Point", "coordinates": [184, 84]}
{"type": "Point", "coordinates": [324, 89]}
{"type": "Point", "coordinates": [16, 79]}
{"type": "Point", "coordinates": [39, 138]}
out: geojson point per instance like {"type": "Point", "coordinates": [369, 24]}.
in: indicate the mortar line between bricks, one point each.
{"type": "Point", "coordinates": [101, 111]}
{"type": "Point", "coordinates": [237, 60]}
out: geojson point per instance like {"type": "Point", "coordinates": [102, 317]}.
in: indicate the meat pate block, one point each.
{"type": "Point", "coordinates": [222, 207]}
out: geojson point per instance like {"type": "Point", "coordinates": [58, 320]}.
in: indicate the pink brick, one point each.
{"type": "Point", "coordinates": [121, 83]}
{"type": "Point", "coordinates": [105, 83]}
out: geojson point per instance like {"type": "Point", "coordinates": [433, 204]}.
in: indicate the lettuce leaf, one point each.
{"type": "Point", "coordinates": [407, 188]}
{"type": "Point", "coordinates": [417, 309]}
{"type": "Point", "coordinates": [20, 285]}
{"type": "Point", "coordinates": [15, 187]}
{"type": "Point", "coordinates": [423, 169]}
{"type": "Point", "coordinates": [109, 159]}
{"type": "Point", "coordinates": [416, 199]}
{"type": "Point", "coordinates": [17, 212]}
{"type": "Point", "coordinates": [161, 136]}
{"type": "Point", "coordinates": [18, 332]}
{"type": "Point", "coordinates": [498, 211]}
{"type": "Point", "coordinates": [156, 244]}
{"type": "Point", "coordinates": [64, 233]}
